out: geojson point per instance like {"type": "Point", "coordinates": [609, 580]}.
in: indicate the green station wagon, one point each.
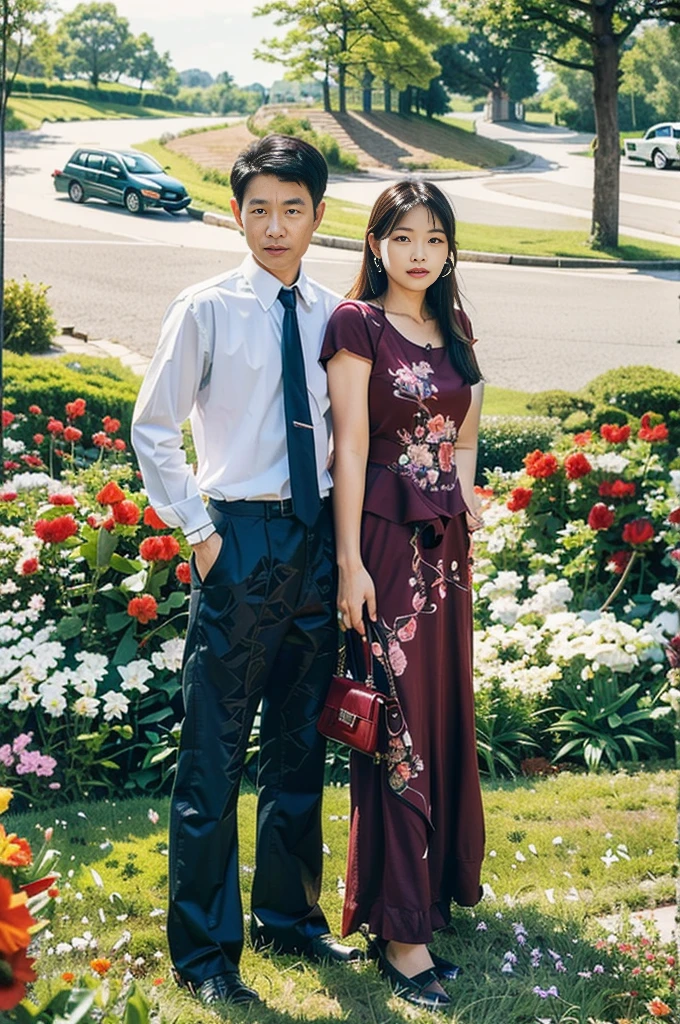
{"type": "Point", "coordinates": [127, 178]}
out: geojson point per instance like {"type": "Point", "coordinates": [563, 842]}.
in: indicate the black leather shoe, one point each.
{"type": "Point", "coordinates": [222, 988]}
{"type": "Point", "coordinates": [414, 990]}
{"type": "Point", "coordinates": [324, 949]}
{"type": "Point", "coordinates": [444, 969]}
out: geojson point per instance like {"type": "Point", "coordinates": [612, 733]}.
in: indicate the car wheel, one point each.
{"type": "Point", "coordinates": [660, 160]}
{"type": "Point", "coordinates": [76, 192]}
{"type": "Point", "coordinates": [133, 202]}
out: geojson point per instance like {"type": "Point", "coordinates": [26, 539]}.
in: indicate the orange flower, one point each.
{"type": "Point", "coordinates": [101, 965]}
{"type": "Point", "coordinates": [76, 408]}
{"type": "Point", "coordinates": [15, 920]}
{"type": "Point", "coordinates": [126, 513]}
{"type": "Point", "coordinates": [16, 971]}
{"type": "Point", "coordinates": [151, 518]}
{"type": "Point", "coordinates": [68, 977]}
{"type": "Point", "coordinates": [111, 425]}
{"type": "Point", "coordinates": [143, 608]}
{"type": "Point", "coordinates": [110, 494]}
{"type": "Point", "coordinates": [658, 1008]}
{"type": "Point", "coordinates": [14, 852]}
{"type": "Point", "coordinates": [183, 572]}
{"type": "Point", "coordinates": [540, 464]}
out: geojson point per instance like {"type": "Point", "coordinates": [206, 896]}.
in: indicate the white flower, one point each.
{"type": "Point", "coordinates": [609, 462]}
{"type": "Point", "coordinates": [170, 655]}
{"type": "Point", "coordinates": [95, 664]}
{"type": "Point", "coordinates": [135, 675]}
{"type": "Point", "coordinates": [13, 446]}
{"type": "Point", "coordinates": [86, 687]}
{"type": "Point", "coordinates": [29, 481]}
{"type": "Point", "coordinates": [551, 597]}
{"type": "Point", "coordinates": [37, 603]}
{"type": "Point", "coordinates": [667, 593]}
{"type": "Point", "coordinates": [87, 706]}
{"type": "Point", "coordinates": [505, 609]}
{"type": "Point", "coordinates": [609, 858]}
{"type": "Point", "coordinates": [52, 699]}
{"type": "Point", "coordinates": [115, 705]}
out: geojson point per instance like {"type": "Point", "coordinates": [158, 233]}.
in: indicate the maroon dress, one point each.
{"type": "Point", "coordinates": [417, 826]}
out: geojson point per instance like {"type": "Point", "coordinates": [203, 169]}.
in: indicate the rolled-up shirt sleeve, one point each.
{"type": "Point", "coordinates": [166, 398]}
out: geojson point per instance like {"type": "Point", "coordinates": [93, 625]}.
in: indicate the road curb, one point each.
{"type": "Point", "coordinates": [221, 220]}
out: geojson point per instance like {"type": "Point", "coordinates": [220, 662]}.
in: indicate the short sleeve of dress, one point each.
{"type": "Point", "coordinates": [354, 328]}
{"type": "Point", "coordinates": [465, 324]}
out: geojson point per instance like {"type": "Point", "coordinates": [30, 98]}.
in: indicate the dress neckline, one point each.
{"type": "Point", "coordinates": [423, 348]}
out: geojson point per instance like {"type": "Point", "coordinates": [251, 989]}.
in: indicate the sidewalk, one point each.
{"type": "Point", "coordinates": [66, 345]}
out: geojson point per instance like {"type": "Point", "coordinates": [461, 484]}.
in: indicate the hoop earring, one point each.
{"type": "Point", "coordinates": [378, 263]}
{"type": "Point", "coordinates": [448, 272]}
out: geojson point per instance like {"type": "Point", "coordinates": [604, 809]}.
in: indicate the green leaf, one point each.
{"type": "Point", "coordinates": [137, 1008]}
{"type": "Point", "coordinates": [115, 621]}
{"type": "Point", "coordinates": [156, 716]}
{"type": "Point", "coordinates": [125, 565]}
{"type": "Point", "coordinates": [127, 648]}
{"type": "Point", "coordinates": [110, 764]}
{"type": "Point", "coordinates": [106, 545]}
{"type": "Point", "coordinates": [173, 600]}
{"type": "Point", "coordinates": [69, 627]}
{"type": "Point", "coordinates": [162, 755]}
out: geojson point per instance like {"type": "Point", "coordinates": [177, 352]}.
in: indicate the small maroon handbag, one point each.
{"type": "Point", "coordinates": [354, 712]}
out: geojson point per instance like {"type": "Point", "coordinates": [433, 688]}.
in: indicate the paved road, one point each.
{"type": "Point", "coordinates": [112, 275]}
{"type": "Point", "coordinates": [538, 328]}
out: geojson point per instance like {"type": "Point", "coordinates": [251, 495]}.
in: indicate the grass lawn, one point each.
{"type": "Point", "coordinates": [548, 870]}
{"type": "Point", "coordinates": [349, 220]}
{"type": "Point", "coordinates": [33, 110]}
{"type": "Point", "coordinates": [506, 402]}
{"type": "Point", "coordinates": [539, 117]}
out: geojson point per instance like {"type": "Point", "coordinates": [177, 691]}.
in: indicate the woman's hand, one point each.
{"type": "Point", "coordinates": [355, 589]}
{"type": "Point", "coordinates": [473, 521]}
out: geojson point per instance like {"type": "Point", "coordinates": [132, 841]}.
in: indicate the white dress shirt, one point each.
{"type": "Point", "coordinates": [218, 362]}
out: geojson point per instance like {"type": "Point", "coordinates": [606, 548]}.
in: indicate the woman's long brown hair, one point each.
{"type": "Point", "coordinates": [443, 296]}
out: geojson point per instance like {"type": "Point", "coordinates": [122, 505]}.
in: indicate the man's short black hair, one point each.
{"type": "Point", "coordinates": [286, 158]}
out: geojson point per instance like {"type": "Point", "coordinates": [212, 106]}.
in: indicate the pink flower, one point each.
{"type": "Point", "coordinates": [397, 658]}
{"type": "Point", "coordinates": [446, 456]}
{"type": "Point", "coordinates": [408, 631]}
{"type": "Point", "coordinates": [6, 755]}
{"type": "Point", "coordinates": [22, 741]}
{"type": "Point", "coordinates": [418, 602]}
{"type": "Point", "coordinates": [153, 816]}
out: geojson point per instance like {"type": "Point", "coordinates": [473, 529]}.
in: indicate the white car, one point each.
{"type": "Point", "coordinates": [660, 146]}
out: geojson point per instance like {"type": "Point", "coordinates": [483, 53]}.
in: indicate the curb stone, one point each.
{"type": "Point", "coordinates": [221, 220]}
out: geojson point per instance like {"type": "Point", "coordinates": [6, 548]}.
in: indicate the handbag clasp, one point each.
{"type": "Point", "coordinates": [346, 717]}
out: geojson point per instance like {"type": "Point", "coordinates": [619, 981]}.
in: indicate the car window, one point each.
{"type": "Point", "coordinates": [676, 133]}
{"type": "Point", "coordinates": [140, 164]}
{"type": "Point", "coordinates": [95, 161]}
{"type": "Point", "coordinates": [80, 159]}
{"type": "Point", "coordinates": [111, 166]}
{"type": "Point", "coordinates": [663, 132]}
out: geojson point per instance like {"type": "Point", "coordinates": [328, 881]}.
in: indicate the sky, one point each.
{"type": "Point", "coordinates": [214, 35]}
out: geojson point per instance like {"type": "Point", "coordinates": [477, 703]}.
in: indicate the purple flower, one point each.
{"type": "Point", "coordinates": [536, 957]}
{"type": "Point", "coordinates": [6, 755]}
{"type": "Point", "coordinates": [545, 992]}
{"type": "Point", "coordinates": [22, 741]}
{"type": "Point", "coordinates": [598, 969]}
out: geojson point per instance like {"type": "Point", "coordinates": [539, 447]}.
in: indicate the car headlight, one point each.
{"type": "Point", "coordinates": [149, 194]}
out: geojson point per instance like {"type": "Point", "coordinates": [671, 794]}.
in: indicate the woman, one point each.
{"type": "Point", "coordinates": [406, 394]}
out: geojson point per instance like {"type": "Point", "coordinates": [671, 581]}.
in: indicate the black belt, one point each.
{"type": "Point", "coordinates": [262, 509]}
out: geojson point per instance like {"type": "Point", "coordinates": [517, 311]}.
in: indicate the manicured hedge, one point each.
{"type": "Point", "coordinates": [107, 386]}
{"type": "Point", "coordinates": [80, 90]}
{"type": "Point", "coordinates": [637, 390]}
{"type": "Point", "coordinates": [505, 440]}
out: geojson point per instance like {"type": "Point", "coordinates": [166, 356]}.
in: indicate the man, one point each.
{"type": "Point", "coordinates": [239, 355]}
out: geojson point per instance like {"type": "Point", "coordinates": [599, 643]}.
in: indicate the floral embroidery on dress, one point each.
{"type": "Point", "coordinates": [402, 763]}
{"type": "Point", "coordinates": [428, 457]}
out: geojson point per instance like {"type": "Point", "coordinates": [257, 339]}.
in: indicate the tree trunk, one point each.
{"type": "Point", "coordinates": [406, 100]}
{"type": "Point", "coordinates": [604, 230]}
{"type": "Point", "coordinates": [327, 95]}
{"type": "Point", "coordinates": [388, 97]}
{"type": "Point", "coordinates": [367, 86]}
{"type": "Point", "coordinates": [342, 89]}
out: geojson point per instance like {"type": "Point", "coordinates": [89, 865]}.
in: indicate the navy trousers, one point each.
{"type": "Point", "coordinates": [262, 627]}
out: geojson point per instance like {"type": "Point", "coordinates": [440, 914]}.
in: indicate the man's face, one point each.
{"type": "Point", "coordinates": [278, 220]}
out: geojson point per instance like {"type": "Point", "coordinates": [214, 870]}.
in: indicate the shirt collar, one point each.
{"type": "Point", "coordinates": [267, 287]}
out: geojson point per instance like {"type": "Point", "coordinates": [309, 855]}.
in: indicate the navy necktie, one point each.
{"type": "Point", "coordinates": [304, 485]}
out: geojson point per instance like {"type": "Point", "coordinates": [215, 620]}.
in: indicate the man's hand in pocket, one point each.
{"type": "Point", "coordinates": [206, 554]}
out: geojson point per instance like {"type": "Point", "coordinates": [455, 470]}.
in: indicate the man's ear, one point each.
{"type": "Point", "coordinates": [236, 211]}
{"type": "Point", "coordinates": [318, 216]}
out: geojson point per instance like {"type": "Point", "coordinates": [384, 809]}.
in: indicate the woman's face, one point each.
{"type": "Point", "coordinates": [415, 251]}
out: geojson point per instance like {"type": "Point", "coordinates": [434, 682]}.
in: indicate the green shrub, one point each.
{"type": "Point", "coordinates": [576, 422]}
{"type": "Point", "coordinates": [336, 158]}
{"type": "Point", "coordinates": [558, 403]}
{"type": "Point", "coordinates": [106, 92]}
{"type": "Point", "coordinates": [505, 440]}
{"type": "Point", "coordinates": [608, 414]}
{"type": "Point", "coordinates": [107, 386]}
{"type": "Point", "coordinates": [640, 389]}
{"type": "Point", "coordinates": [29, 321]}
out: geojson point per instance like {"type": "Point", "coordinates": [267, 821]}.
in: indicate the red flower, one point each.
{"type": "Point", "coordinates": [94, 521]}
{"type": "Point", "coordinates": [638, 531]}
{"type": "Point", "coordinates": [55, 427]}
{"type": "Point", "coordinates": [143, 608]}
{"type": "Point", "coordinates": [38, 438]}
{"type": "Point", "coordinates": [576, 465]}
{"type": "Point", "coordinates": [649, 433]}
{"type": "Point", "coordinates": [658, 1008]}
{"type": "Point", "coordinates": [35, 410]}
{"type": "Point", "coordinates": [54, 531]}
{"type": "Point", "coordinates": [32, 460]}
{"type": "Point", "coordinates": [29, 566]}
{"type": "Point", "coordinates": [111, 426]}
{"type": "Point", "coordinates": [7, 418]}
{"type": "Point", "coordinates": [14, 850]}
{"type": "Point", "coordinates": [109, 524]}
{"type": "Point", "coordinates": [519, 499]}
{"type": "Point", "coordinates": [53, 892]}
{"type": "Point", "coordinates": [62, 499]}
{"type": "Point", "coordinates": [16, 971]}
{"type": "Point", "coordinates": [119, 444]}
{"type": "Point", "coordinates": [483, 492]}
{"type": "Point", "coordinates": [102, 440]}
{"type": "Point", "coordinates": [8, 495]}
{"type": "Point", "coordinates": [183, 572]}
{"type": "Point", "coordinates": [159, 549]}
{"type": "Point", "coordinates": [675, 555]}
{"type": "Point", "coordinates": [15, 920]}
{"type": "Point", "coordinates": [540, 465]}
{"type": "Point", "coordinates": [151, 518]}
{"type": "Point", "coordinates": [110, 494]}
{"type": "Point", "coordinates": [72, 434]}
{"type": "Point", "coordinates": [76, 408]}
{"type": "Point", "coordinates": [621, 489]}
{"type": "Point", "coordinates": [10, 465]}
{"type": "Point", "coordinates": [615, 434]}
{"type": "Point", "coordinates": [126, 513]}
{"type": "Point", "coordinates": [600, 517]}
{"type": "Point", "coordinates": [585, 437]}
{"type": "Point", "coordinates": [674, 517]}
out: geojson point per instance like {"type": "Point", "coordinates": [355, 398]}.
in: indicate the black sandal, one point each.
{"type": "Point", "coordinates": [445, 969]}
{"type": "Point", "coordinates": [413, 990]}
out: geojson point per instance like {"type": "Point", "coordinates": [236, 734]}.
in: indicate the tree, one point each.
{"type": "Point", "coordinates": [478, 66]}
{"type": "Point", "coordinates": [146, 61]}
{"type": "Point", "coordinates": [167, 80]}
{"type": "Point", "coordinates": [21, 21]}
{"type": "Point", "coordinates": [652, 72]}
{"type": "Point", "coordinates": [341, 39]}
{"type": "Point", "coordinates": [194, 78]}
{"type": "Point", "coordinates": [95, 40]}
{"type": "Point", "coordinates": [599, 31]}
